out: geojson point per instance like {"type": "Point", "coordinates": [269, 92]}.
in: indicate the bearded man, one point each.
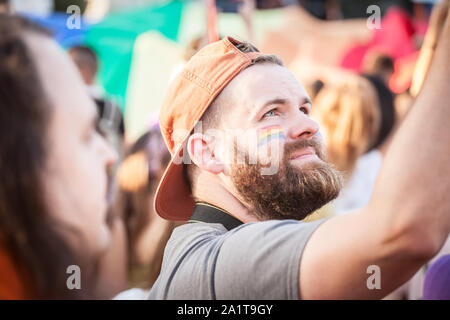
{"type": "Point", "coordinates": [248, 166]}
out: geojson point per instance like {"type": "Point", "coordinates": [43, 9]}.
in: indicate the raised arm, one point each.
{"type": "Point", "coordinates": [408, 218]}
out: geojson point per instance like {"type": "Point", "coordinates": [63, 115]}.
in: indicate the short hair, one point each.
{"type": "Point", "coordinates": [84, 57]}
{"type": "Point", "coordinates": [214, 114]}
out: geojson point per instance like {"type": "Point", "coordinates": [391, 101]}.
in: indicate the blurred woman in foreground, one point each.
{"type": "Point", "coordinates": [54, 190]}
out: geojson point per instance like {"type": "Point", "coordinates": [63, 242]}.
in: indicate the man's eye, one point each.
{"type": "Point", "coordinates": [304, 110]}
{"type": "Point", "coordinates": [271, 113]}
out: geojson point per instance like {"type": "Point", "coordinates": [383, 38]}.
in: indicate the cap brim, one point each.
{"type": "Point", "coordinates": [173, 199]}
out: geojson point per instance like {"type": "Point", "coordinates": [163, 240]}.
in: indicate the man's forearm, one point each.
{"type": "Point", "coordinates": [414, 181]}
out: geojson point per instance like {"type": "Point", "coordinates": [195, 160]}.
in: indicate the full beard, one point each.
{"type": "Point", "coordinates": [292, 192]}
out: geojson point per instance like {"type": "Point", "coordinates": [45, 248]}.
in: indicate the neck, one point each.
{"type": "Point", "coordinates": [211, 189]}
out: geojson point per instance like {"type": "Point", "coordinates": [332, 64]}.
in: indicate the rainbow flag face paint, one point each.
{"type": "Point", "coordinates": [269, 133]}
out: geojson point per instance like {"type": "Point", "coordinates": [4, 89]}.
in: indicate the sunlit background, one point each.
{"type": "Point", "coordinates": [142, 43]}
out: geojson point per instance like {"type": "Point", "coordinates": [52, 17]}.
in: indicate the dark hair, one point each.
{"type": "Point", "coordinates": [315, 88]}
{"type": "Point", "coordinates": [384, 63]}
{"type": "Point", "coordinates": [377, 63]}
{"type": "Point", "coordinates": [387, 110]}
{"type": "Point", "coordinates": [27, 232]}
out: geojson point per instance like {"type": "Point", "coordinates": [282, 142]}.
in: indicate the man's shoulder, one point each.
{"type": "Point", "coordinates": [197, 229]}
{"type": "Point", "coordinates": [224, 264]}
{"type": "Point", "coordinates": [193, 234]}
{"type": "Point", "coordinates": [206, 234]}
{"type": "Point", "coordinates": [216, 229]}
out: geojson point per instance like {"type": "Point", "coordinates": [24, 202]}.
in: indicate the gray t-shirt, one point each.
{"type": "Point", "coordinates": [253, 261]}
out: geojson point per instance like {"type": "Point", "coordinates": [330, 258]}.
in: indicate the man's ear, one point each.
{"type": "Point", "coordinates": [201, 149]}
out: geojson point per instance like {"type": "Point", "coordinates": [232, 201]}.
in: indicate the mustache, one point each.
{"type": "Point", "coordinates": [313, 142]}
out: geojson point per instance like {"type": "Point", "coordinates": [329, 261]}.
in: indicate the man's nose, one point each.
{"type": "Point", "coordinates": [302, 126]}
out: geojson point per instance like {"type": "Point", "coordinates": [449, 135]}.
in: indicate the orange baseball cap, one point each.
{"type": "Point", "coordinates": [189, 95]}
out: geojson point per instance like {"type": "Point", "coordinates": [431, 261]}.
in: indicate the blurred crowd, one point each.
{"type": "Point", "coordinates": [362, 84]}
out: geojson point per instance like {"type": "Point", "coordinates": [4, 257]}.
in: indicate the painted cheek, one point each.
{"type": "Point", "coordinates": [270, 133]}
{"type": "Point", "coordinates": [271, 152]}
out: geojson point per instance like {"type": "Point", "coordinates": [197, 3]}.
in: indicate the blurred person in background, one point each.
{"type": "Point", "coordinates": [147, 233]}
{"type": "Point", "coordinates": [313, 88]}
{"type": "Point", "coordinates": [379, 65]}
{"type": "Point", "coordinates": [111, 120]}
{"type": "Point", "coordinates": [55, 188]}
{"type": "Point", "coordinates": [350, 120]}
{"type": "Point", "coordinates": [378, 68]}
{"type": "Point", "coordinates": [361, 134]}
{"type": "Point", "coordinates": [385, 99]}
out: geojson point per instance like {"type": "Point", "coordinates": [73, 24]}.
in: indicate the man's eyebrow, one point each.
{"type": "Point", "coordinates": [273, 101]}
{"type": "Point", "coordinates": [281, 101]}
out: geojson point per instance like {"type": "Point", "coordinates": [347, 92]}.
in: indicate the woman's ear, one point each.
{"type": "Point", "coordinates": [201, 149]}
